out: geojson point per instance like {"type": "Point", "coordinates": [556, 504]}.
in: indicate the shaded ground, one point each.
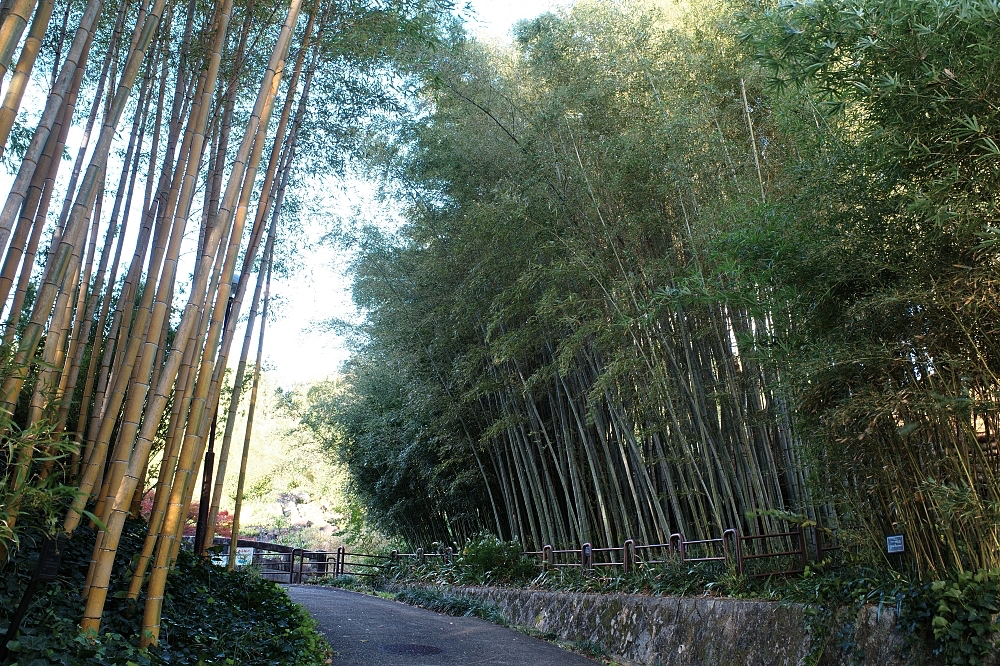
{"type": "Point", "coordinates": [368, 631]}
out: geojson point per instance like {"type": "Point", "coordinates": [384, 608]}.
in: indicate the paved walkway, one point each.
{"type": "Point", "coordinates": [369, 631]}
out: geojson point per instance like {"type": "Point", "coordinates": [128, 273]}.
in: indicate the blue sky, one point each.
{"type": "Point", "coordinates": [296, 350]}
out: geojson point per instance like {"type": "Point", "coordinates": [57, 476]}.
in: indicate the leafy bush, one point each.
{"type": "Point", "coordinates": [486, 558]}
{"type": "Point", "coordinates": [210, 616]}
{"type": "Point", "coordinates": [961, 613]}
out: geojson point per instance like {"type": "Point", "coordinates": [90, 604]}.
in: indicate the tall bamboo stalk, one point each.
{"type": "Point", "coordinates": [235, 536]}
{"type": "Point", "coordinates": [158, 399]}
{"type": "Point", "coordinates": [263, 209]}
{"type": "Point", "coordinates": [53, 107]}
{"type": "Point", "coordinates": [22, 71]}
{"type": "Point", "coordinates": [11, 30]}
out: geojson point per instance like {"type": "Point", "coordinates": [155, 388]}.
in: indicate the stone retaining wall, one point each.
{"type": "Point", "coordinates": [657, 631]}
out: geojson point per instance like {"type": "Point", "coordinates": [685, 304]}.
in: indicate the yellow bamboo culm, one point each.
{"type": "Point", "coordinates": [267, 199]}
{"type": "Point", "coordinates": [206, 398]}
{"type": "Point", "coordinates": [235, 536]}
{"type": "Point", "coordinates": [117, 492]}
{"type": "Point", "coordinates": [22, 71]}
{"type": "Point", "coordinates": [53, 108]}
{"type": "Point", "coordinates": [158, 400]}
{"type": "Point", "coordinates": [11, 31]}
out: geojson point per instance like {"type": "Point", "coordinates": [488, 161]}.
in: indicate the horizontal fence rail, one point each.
{"type": "Point", "coordinates": [768, 554]}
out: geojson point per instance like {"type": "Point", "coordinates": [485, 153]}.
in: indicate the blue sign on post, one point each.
{"type": "Point", "coordinates": [894, 544]}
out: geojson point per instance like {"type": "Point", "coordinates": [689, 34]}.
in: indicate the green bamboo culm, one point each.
{"type": "Point", "coordinates": [679, 270]}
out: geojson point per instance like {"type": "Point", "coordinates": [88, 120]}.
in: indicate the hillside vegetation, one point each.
{"type": "Point", "coordinates": [679, 267]}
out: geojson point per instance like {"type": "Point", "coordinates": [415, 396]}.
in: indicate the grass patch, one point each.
{"type": "Point", "coordinates": [458, 605]}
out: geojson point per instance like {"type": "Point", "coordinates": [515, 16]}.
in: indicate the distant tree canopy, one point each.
{"type": "Point", "coordinates": [197, 128]}
{"type": "Point", "coordinates": [678, 270]}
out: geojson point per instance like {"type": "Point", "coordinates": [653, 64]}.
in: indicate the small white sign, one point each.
{"type": "Point", "coordinates": [244, 557]}
{"type": "Point", "coordinates": [894, 543]}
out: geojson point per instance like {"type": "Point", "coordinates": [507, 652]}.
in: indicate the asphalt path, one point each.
{"type": "Point", "coordinates": [369, 631]}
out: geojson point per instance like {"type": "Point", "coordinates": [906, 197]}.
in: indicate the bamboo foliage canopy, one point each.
{"type": "Point", "coordinates": [662, 268]}
{"type": "Point", "coordinates": [127, 267]}
{"type": "Point", "coordinates": [682, 268]}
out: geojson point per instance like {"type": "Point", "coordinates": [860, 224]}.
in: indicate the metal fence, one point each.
{"type": "Point", "coordinates": [285, 564]}
{"type": "Point", "coordinates": [776, 553]}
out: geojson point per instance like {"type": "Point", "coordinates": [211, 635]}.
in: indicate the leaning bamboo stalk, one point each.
{"type": "Point", "coordinates": [157, 401]}
{"type": "Point", "coordinates": [63, 32]}
{"type": "Point", "coordinates": [227, 304]}
{"type": "Point", "coordinates": [160, 211]}
{"type": "Point", "coordinates": [102, 398]}
{"type": "Point", "coordinates": [91, 119]}
{"type": "Point", "coordinates": [53, 107]}
{"type": "Point", "coordinates": [32, 219]}
{"type": "Point", "coordinates": [11, 30]}
{"type": "Point", "coordinates": [122, 479]}
{"type": "Point", "coordinates": [53, 353]}
{"type": "Point", "coordinates": [263, 209]}
{"type": "Point", "coordinates": [22, 71]}
{"type": "Point", "coordinates": [174, 517]}
{"type": "Point", "coordinates": [201, 350]}
{"type": "Point", "coordinates": [240, 372]}
{"type": "Point", "coordinates": [97, 454]}
{"type": "Point", "coordinates": [86, 309]}
{"type": "Point", "coordinates": [150, 207]}
{"type": "Point", "coordinates": [206, 396]}
{"type": "Point", "coordinates": [222, 130]}
{"type": "Point", "coordinates": [235, 535]}
{"type": "Point", "coordinates": [140, 353]}
{"type": "Point", "coordinates": [58, 264]}
{"type": "Point", "coordinates": [106, 419]}
{"type": "Point", "coordinates": [127, 370]}
{"type": "Point", "coordinates": [234, 407]}
{"type": "Point", "coordinates": [35, 207]}
{"type": "Point", "coordinates": [182, 192]}
{"type": "Point", "coordinates": [175, 433]}
{"type": "Point", "coordinates": [220, 332]}
{"type": "Point", "coordinates": [126, 182]}
{"type": "Point", "coordinates": [77, 327]}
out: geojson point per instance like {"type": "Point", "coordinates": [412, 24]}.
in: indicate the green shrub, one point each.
{"type": "Point", "coordinates": [487, 559]}
{"type": "Point", "coordinates": [210, 616]}
{"type": "Point", "coordinates": [961, 614]}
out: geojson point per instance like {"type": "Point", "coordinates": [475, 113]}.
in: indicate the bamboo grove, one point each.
{"type": "Point", "coordinates": [678, 268]}
{"type": "Point", "coordinates": [127, 265]}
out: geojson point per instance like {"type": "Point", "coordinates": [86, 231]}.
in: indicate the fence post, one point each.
{"type": "Point", "coordinates": [291, 572]}
{"type": "Point", "coordinates": [679, 538]}
{"type": "Point", "coordinates": [802, 546]}
{"type": "Point", "coordinates": [546, 557]}
{"type": "Point", "coordinates": [340, 562]}
{"type": "Point", "coordinates": [420, 555]}
{"type": "Point", "coordinates": [734, 534]}
{"type": "Point", "coordinates": [819, 531]}
{"type": "Point", "coordinates": [448, 554]}
{"type": "Point", "coordinates": [628, 555]}
{"type": "Point", "coordinates": [586, 556]}
{"type": "Point", "coordinates": [394, 555]}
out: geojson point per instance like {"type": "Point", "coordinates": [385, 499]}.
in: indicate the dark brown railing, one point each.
{"type": "Point", "coordinates": [769, 554]}
{"type": "Point", "coordinates": [745, 551]}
